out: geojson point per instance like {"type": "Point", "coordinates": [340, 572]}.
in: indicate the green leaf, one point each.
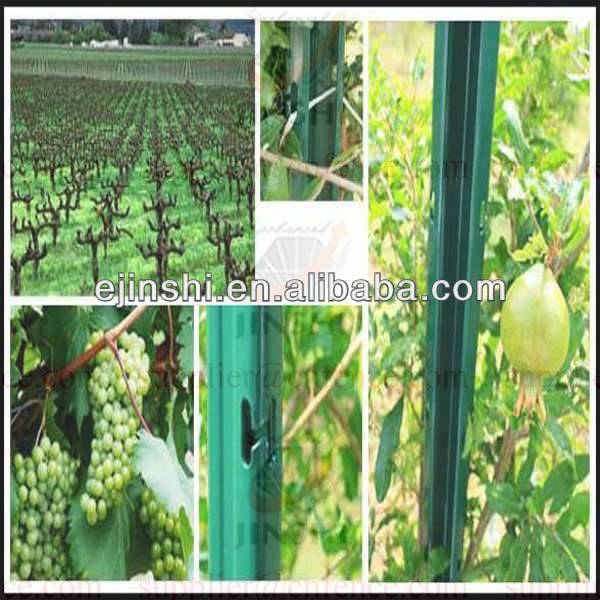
{"type": "Point", "coordinates": [139, 559]}
{"type": "Point", "coordinates": [267, 90]}
{"type": "Point", "coordinates": [313, 188]}
{"type": "Point", "coordinates": [54, 432]}
{"type": "Point", "coordinates": [99, 552]}
{"type": "Point", "coordinates": [559, 486]}
{"type": "Point", "coordinates": [580, 553]}
{"type": "Point", "coordinates": [185, 356]}
{"type": "Point", "coordinates": [551, 558]}
{"type": "Point", "coordinates": [511, 110]}
{"type": "Point", "coordinates": [270, 132]}
{"type": "Point", "coordinates": [567, 566]}
{"type": "Point", "coordinates": [103, 318]}
{"type": "Point", "coordinates": [179, 428]}
{"type": "Point", "coordinates": [504, 499]}
{"type": "Point", "coordinates": [77, 399]}
{"type": "Point", "coordinates": [350, 472]}
{"type": "Point", "coordinates": [561, 439]}
{"type": "Point", "coordinates": [536, 568]}
{"type": "Point", "coordinates": [388, 443]}
{"type": "Point", "coordinates": [144, 323]}
{"type": "Point", "coordinates": [187, 539]}
{"type": "Point", "coordinates": [437, 563]}
{"type": "Point", "coordinates": [276, 187]}
{"type": "Point", "coordinates": [582, 467]}
{"type": "Point", "coordinates": [580, 509]}
{"type": "Point", "coordinates": [162, 473]}
{"type": "Point", "coordinates": [518, 559]}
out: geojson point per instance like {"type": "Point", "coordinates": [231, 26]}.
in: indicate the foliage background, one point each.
{"type": "Point", "coordinates": [321, 495]}
{"type": "Point", "coordinates": [538, 199]}
{"type": "Point", "coordinates": [44, 340]}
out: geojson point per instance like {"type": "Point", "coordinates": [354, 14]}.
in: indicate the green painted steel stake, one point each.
{"type": "Point", "coordinates": [466, 57]}
{"type": "Point", "coordinates": [339, 97]}
{"type": "Point", "coordinates": [316, 49]}
{"type": "Point", "coordinates": [244, 434]}
{"type": "Point", "coordinates": [299, 73]}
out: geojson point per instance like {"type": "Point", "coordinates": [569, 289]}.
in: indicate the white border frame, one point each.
{"type": "Point", "coordinates": [294, 13]}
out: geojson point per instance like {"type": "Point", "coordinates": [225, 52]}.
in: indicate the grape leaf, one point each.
{"type": "Point", "coordinates": [103, 318]}
{"type": "Point", "coordinates": [100, 552]}
{"type": "Point", "coordinates": [187, 539]}
{"type": "Point", "coordinates": [143, 325]}
{"type": "Point", "coordinates": [179, 428]}
{"type": "Point", "coordinates": [162, 473]}
{"type": "Point", "coordinates": [185, 356]}
{"type": "Point", "coordinates": [76, 398]}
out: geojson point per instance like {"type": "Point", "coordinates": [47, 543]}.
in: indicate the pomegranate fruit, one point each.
{"type": "Point", "coordinates": [534, 329]}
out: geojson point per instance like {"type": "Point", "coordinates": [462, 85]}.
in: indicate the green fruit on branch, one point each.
{"type": "Point", "coordinates": [165, 535]}
{"type": "Point", "coordinates": [46, 481]}
{"type": "Point", "coordinates": [115, 422]}
{"type": "Point", "coordinates": [534, 328]}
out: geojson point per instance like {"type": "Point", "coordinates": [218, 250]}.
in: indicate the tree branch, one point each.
{"type": "Point", "coordinates": [84, 358]}
{"type": "Point", "coordinates": [322, 394]}
{"type": "Point", "coordinates": [509, 444]}
{"type": "Point", "coordinates": [313, 170]}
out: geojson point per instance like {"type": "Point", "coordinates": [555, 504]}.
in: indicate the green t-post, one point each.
{"type": "Point", "coordinates": [465, 64]}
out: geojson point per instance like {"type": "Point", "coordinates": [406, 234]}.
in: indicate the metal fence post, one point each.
{"type": "Point", "coordinates": [316, 64]}
{"type": "Point", "coordinates": [244, 435]}
{"type": "Point", "coordinates": [463, 110]}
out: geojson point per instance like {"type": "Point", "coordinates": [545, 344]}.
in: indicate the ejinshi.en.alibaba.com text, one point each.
{"type": "Point", "coordinates": [320, 287]}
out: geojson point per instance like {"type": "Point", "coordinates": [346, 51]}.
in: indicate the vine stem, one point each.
{"type": "Point", "coordinates": [89, 354]}
{"type": "Point", "coordinates": [322, 394]}
{"type": "Point", "coordinates": [314, 170]}
{"type": "Point", "coordinates": [509, 444]}
{"type": "Point", "coordinates": [111, 344]}
{"type": "Point", "coordinates": [43, 421]}
{"type": "Point", "coordinates": [15, 412]}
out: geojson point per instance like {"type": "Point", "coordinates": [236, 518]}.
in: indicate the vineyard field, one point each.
{"type": "Point", "coordinates": [211, 66]}
{"type": "Point", "coordinates": [111, 176]}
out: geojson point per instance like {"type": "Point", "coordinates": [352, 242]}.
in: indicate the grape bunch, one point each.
{"type": "Point", "coordinates": [115, 422]}
{"type": "Point", "coordinates": [46, 481]}
{"type": "Point", "coordinates": [165, 534]}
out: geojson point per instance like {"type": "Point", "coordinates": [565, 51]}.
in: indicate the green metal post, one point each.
{"type": "Point", "coordinates": [299, 74]}
{"type": "Point", "coordinates": [244, 433]}
{"type": "Point", "coordinates": [463, 109]}
{"type": "Point", "coordinates": [316, 50]}
{"type": "Point", "coordinates": [339, 97]}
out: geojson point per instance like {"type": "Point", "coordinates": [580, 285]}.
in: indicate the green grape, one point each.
{"type": "Point", "coordinates": [115, 433]}
{"type": "Point", "coordinates": [38, 541]}
{"type": "Point", "coordinates": [164, 532]}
